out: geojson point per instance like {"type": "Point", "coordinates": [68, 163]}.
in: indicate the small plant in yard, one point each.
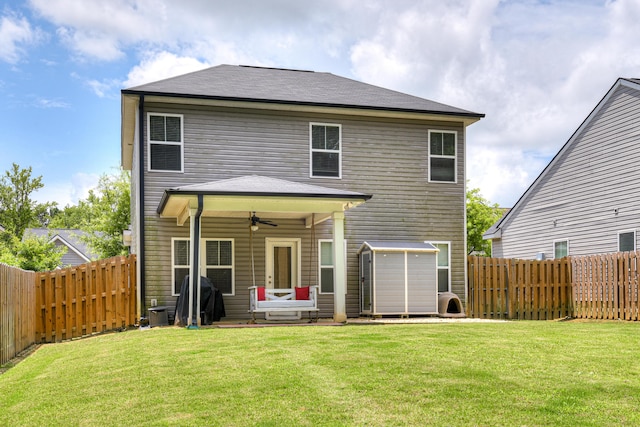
{"type": "Point", "coordinates": [507, 373]}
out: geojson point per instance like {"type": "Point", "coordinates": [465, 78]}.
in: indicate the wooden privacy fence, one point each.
{"type": "Point", "coordinates": [85, 299]}
{"type": "Point", "coordinates": [587, 287]}
{"type": "Point", "coordinates": [606, 286]}
{"type": "Point", "coordinates": [17, 311]}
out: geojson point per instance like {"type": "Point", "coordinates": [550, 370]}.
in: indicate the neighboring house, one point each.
{"type": "Point", "coordinates": [587, 200]}
{"type": "Point", "coordinates": [331, 161]}
{"type": "Point", "coordinates": [78, 252]}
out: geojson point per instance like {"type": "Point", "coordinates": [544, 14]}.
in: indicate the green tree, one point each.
{"type": "Point", "coordinates": [31, 253]}
{"type": "Point", "coordinates": [72, 216]}
{"type": "Point", "coordinates": [106, 213]}
{"type": "Point", "coordinates": [481, 215]}
{"type": "Point", "coordinates": [17, 210]}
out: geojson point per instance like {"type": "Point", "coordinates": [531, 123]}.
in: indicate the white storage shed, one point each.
{"type": "Point", "coordinates": [398, 278]}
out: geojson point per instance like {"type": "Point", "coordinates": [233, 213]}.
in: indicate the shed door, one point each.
{"type": "Point", "coordinates": [365, 282]}
{"type": "Point", "coordinates": [422, 283]}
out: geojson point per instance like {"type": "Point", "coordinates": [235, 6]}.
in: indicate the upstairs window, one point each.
{"type": "Point", "coordinates": [165, 145]}
{"type": "Point", "coordinates": [442, 156]}
{"type": "Point", "coordinates": [560, 249]}
{"type": "Point", "coordinates": [326, 144]}
{"type": "Point", "coordinates": [627, 241]}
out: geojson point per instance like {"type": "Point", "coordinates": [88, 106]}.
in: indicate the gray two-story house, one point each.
{"type": "Point", "coordinates": [275, 177]}
{"type": "Point", "coordinates": [586, 201]}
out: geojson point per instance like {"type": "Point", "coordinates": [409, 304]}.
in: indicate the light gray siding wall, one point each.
{"type": "Point", "coordinates": [70, 257]}
{"type": "Point", "coordinates": [388, 159]}
{"type": "Point", "coordinates": [591, 193]}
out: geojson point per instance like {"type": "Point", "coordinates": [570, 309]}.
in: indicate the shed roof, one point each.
{"type": "Point", "coordinates": [398, 246]}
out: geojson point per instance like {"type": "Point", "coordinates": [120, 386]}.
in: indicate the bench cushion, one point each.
{"type": "Point", "coordinates": [302, 293]}
{"type": "Point", "coordinates": [261, 296]}
{"type": "Point", "coordinates": [291, 304]}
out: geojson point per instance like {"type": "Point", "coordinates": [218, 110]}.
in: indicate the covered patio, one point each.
{"type": "Point", "coordinates": [261, 197]}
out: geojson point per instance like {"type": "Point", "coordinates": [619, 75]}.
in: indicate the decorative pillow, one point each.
{"type": "Point", "coordinates": [261, 296]}
{"type": "Point", "coordinates": [302, 293]}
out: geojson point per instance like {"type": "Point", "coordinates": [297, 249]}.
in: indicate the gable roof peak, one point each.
{"type": "Point", "coordinates": [245, 83]}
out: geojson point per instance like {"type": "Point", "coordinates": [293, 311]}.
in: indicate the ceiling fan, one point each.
{"type": "Point", "coordinates": [255, 221]}
{"type": "Point", "coordinates": [252, 229]}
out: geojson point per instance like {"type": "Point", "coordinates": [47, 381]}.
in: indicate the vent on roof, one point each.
{"type": "Point", "coordinates": [276, 68]}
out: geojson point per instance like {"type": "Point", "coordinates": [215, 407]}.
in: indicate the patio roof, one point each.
{"type": "Point", "coordinates": [272, 197]}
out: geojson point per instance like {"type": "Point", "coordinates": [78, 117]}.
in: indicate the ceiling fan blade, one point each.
{"type": "Point", "coordinates": [255, 220]}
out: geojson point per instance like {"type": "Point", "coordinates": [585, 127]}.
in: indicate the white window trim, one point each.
{"type": "Point", "coordinates": [448, 243]}
{"type": "Point", "coordinates": [554, 247]}
{"type": "Point", "coordinates": [233, 261]}
{"type": "Point", "coordinates": [149, 142]}
{"type": "Point", "coordinates": [635, 246]}
{"type": "Point", "coordinates": [203, 260]}
{"type": "Point", "coordinates": [173, 263]}
{"type": "Point", "coordinates": [333, 266]}
{"type": "Point", "coordinates": [438, 156]}
{"type": "Point", "coordinates": [312, 150]}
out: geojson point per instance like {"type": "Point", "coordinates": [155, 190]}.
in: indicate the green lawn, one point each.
{"type": "Point", "coordinates": [487, 374]}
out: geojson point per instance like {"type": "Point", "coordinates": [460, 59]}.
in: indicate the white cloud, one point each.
{"type": "Point", "coordinates": [535, 68]}
{"type": "Point", "coordinates": [50, 103]}
{"type": "Point", "coordinates": [67, 192]}
{"type": "Point", "coordinates": [15, 34]}
{"type": "Point", "coordinates": [104, 88]}
{"type": "Point", "coordinates": [160, 66]}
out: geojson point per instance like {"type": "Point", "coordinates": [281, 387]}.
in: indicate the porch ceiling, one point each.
{"type": "Point", "coordinates": [268, 197]}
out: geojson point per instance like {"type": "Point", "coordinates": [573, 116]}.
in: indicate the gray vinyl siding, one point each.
{"type": "Point", "coordinates": [595, 175]}
{"type": "Point", "coordinates": [71, 257]}
{"type": "Point", "coordinates": [388, 159]}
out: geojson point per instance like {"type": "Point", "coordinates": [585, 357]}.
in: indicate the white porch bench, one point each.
{"type": "Point", "coordinates": [282, 301]}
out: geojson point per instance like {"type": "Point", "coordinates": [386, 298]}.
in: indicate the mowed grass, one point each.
{"type": "Point", "coordinates": [456, 374]}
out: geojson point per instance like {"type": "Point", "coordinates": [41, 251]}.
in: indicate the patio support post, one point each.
{"type": "Point", "coordinates": [194, 275]}
{"type": "Point", "coordinates": [339, 272]}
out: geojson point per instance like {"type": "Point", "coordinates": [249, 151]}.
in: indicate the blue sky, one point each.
{"type": "Point", "coordinates": [535, 68]}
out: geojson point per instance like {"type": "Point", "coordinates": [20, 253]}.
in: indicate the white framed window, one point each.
{"type": "Point", "coordinates": [325, 142]}
{"type": "Point", "coordinates": [443, 266]}
{"type": "Point", "coordinates": [165, 147]}
{"type": "Point", "coordinates": [217, 263]}
{"type": "Point", "coordinates": [560, 248]}
{"type": "Point", "coordinates": [180, 262]}
{"type": "Point", "coordinates": [442, 156]}
{"type": "Point", "coordinates": [627, 241]}
{"type": "Point", "coordinates": [326, 265]}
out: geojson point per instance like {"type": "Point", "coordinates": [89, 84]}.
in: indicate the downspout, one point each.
{"type": "Point", "coordinates": [141, 254]}
{"type": "Point", "coordinates": [195, 265]}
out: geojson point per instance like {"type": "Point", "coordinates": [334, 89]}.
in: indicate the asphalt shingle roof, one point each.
{"type": "Point", "coordinates": [264, 186]}
{"type": "Point", "coordinates": [257, 84]}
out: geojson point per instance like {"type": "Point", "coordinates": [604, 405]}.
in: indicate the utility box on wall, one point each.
{"type": "Point", "coordinates": [398, 278]}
